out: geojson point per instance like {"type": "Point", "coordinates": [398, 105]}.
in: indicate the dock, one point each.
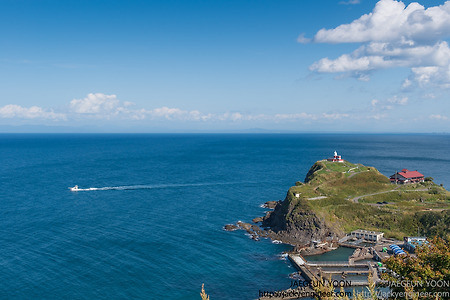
{"type": "Point", "coordinates": [300, 264]}
{"type": "Point", "coordinates": [317, 271]}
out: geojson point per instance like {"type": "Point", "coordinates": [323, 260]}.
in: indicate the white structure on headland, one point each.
{"type": "Point", "coordinates": [335, 158]}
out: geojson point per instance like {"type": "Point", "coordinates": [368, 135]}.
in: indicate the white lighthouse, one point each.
{"type": "Point", "coordinates": [335, 158]}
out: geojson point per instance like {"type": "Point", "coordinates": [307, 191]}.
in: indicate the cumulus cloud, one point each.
{"type": "Point", "coordinates": [432, 74]}
{"type": "Point", "coordinates": [393, 35]}
{"type": "Point", "coordinates": [97, 103]}
{"type": "Point", "coordinates": [11, 111]}
{"type": "Point", "coordinates": [103, 107]}
{"type": "Point", "coordinates": [99, 106]}
{"type": "Point", "coordinates": [348, 63]}
{"type": "Point", "coordinates": [392, 21]}
{"type": "Point", "coordinates": [387, 55]}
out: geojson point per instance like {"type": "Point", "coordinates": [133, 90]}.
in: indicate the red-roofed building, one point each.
{"type": "Point", "coordinates": [407, 176]}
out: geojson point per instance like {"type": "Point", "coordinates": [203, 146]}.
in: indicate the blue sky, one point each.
{"type": "Point", "coordinates": [149, 66]}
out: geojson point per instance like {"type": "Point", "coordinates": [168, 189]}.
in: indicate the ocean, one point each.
{"type": "Point", "coordinates": [151, 224]}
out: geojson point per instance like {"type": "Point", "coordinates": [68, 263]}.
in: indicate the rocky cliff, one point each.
{"type": "Point", "coordinates": [293, 222]}
{"type": "Point", "coordinates": [337, 198]}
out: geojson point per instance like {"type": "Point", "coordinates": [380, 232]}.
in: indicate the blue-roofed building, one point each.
{"type": "Point", "coordinates": [399, 252]}
{"type": "Point", "coordinates": [411, 242]}
{"type": "Point", "coordinates": [396, 249]}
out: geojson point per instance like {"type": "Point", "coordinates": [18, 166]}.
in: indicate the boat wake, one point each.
{"type": "Point", "coordinates": [147, 187]}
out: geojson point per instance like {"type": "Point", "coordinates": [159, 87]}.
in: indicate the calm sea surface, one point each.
{"type": "Point", "coordinates": [152, 228]}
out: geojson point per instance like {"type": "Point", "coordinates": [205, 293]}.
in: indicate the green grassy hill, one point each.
{"type": "Point", "coordinates": [348, 196]}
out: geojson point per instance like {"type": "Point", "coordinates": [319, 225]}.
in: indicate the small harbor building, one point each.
{"type": "Point", "coordinates": [372, 236]}
{"type": "Point", "coordinates": [396, 250]}
{"type": "Point", "coordinates": [411, 242]}
{"type": "Point", "coordinates": [407, 176]}
{"type": "Point", "coordinates": [335, 158]}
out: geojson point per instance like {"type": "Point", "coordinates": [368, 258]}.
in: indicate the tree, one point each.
{"type": "Point", "coordinates": [426, 272]}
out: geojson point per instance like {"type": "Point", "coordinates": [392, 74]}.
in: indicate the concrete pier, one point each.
{"type": "Point", "coordinates": [314, 271]}
{"type": "Point", "coordinates": [300, 264]}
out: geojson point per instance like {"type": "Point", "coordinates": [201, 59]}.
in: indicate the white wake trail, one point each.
{"type": "Point", "coordinates": [152, 186]}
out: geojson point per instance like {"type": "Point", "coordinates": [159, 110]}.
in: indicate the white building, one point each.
{"type": "Point", "coordinates": [372, 236]}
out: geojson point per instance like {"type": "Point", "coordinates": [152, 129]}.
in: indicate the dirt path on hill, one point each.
{"type": "Point", "coordinates": [356, 199]}
{"type": "Point", "coordinates": [351, 175]}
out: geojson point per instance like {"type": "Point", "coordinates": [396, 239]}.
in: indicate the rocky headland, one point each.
{"type": "Point", "coordinates": [338, 197]}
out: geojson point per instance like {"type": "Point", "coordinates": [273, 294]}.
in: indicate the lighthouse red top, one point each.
{"type": "Point", "coordinates": [335, 158]}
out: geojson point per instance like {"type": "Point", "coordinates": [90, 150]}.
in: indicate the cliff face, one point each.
{"type": "Point", "coordinates": [312, 171]}
{"type": "Point", "coordinates": [293, 222]}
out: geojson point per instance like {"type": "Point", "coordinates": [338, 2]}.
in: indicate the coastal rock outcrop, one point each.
{"type": "Point", "coordinates": [271, 204]}
{"type": "Point", "coordinates": [292, 222]}
{"type": "Point", "coordinates": [257, 220]}
{"type": "Point", "coordinates": [253, 230]}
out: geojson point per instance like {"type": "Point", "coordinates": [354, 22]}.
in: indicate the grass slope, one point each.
{"type": "Point", "coordinates": [347, 196]}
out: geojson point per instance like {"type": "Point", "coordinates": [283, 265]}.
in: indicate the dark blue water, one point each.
{"type": "Point", "coordinates": [154, 229]}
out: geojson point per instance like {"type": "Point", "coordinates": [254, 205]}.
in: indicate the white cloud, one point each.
{"type": "Point", "coordinates": [102, 106]}
{"type": "Point", "coordinates": [348, 63]}
{"type": "Point", "coordinates": [438, 117]}
{"type": "Point", "coordinates": [377, 116]}
{"type": "Point", "coordinates": [406, 83]}
{"type": "Point", "coordinates": [99, 107]}
{"type": "Point", "coordinates": [397, 100]}
{"type": "Point", "coordinates": [392, 21]}
{"type": "Point", "coordinates": [388, 104]}
{"type": "Point", "coordinates": [302, 39]}
{"type": "Point", "coordinates": [385, 55]}
{"type": "Point", "coordinates": [350, 2]}
{"type": "Point", "coordinates": [429, 96]}
{"type": "Point", "coordinates": [97, 103]}
{"type": "Point", "coordinates": [167, 113]}
{"type": "Point", "coordinates": [11, 111]}
{"type": "Point", "coordinates": [297, 116]}
{"type": "Point", "coordinates": [393, 35]}
{"type": "Point", "coordinates": [176, 114]}
{"type": "Point", "coordinates": [432, 75]}
{"type": "Point", "coordinates": [335, 116]}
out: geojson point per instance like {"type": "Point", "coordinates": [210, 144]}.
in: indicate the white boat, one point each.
{"type": "Point", "coordinates": [74, 189]}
